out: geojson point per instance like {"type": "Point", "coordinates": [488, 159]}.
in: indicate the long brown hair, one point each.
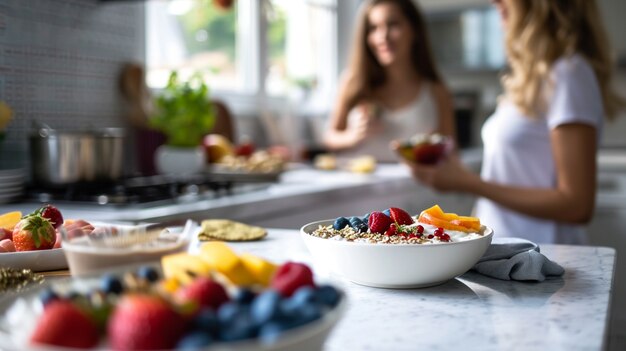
{"type": "Point", "coordinates": [365, 74]}
{"type": "Point", "coordinates": [542, 31]}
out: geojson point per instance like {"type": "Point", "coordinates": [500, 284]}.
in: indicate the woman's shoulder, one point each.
{"type": "Point", "coordinates": [575, 65]}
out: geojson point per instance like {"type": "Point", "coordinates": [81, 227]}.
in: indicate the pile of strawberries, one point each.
{"type": "Point", "coordinates": [138, 311]}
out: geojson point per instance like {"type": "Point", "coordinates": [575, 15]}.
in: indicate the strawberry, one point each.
{"type": "Point", "coordinates": [290, 277]}
{"type": "Point", "coordinates": [204, 292]}
{"type": "Point", "coordinates": [144, 322]}
{"type": "Point", "coordinates": [52, 214]}
{"type": "Point", "coordinates": [64, 324]}
{"type": "Point", "coordinates": [392, 230]}
{"type": "Point", "coordinates": [33, 232]}
{"type": "Point", "coordinates": [400, 216]}
{"type": "Point", "coordinates": [378, 222]}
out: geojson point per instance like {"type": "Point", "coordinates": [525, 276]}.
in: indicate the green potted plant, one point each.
{"type": "Point", "coordinates": [184, 113]}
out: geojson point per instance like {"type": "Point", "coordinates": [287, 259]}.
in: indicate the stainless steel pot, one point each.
{"type": "Point", "coordinates": [65, 157]}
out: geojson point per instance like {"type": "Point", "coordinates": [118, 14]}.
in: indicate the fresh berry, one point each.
{"type": "Point", "coordinates": [148, 273]}
{"type": "Point", "coordinates": [144, 322]}
{"type": "Point", "coordinates": [244, 296]}
{"type": "Point", "coordinates": [195, 341]}
{"type": "Point", "coordinates": [420, 229]}
{"type": "Point", "coordinates": [438, 231]}
{"type": "Point", "coordinates": [392, 230]}
{"type": "Point", "coordinates": [400, 216]}
{"type": "Point", "coordinates": [387, 213]}
{"type": "Point", "coordinates": [245, 149]}
{"type": "Point", "coordinates": [378, 222]}
{"type": "Point", "coordinates": [204, 292]}
{"type": "Point", "coordinates": [445, 237]}
{"type": "Point", "coordinates": [327, 295]}
{"type": "Point", "coordinates": [111, 284]}
{"type": "Point", "coordinates": [33, 232]}
{"type": "Point", "coordinates": [64, 324]}
{"type": "Point", "coordinates": [366, 218]}
{"type": "Point", "coordinates": [357, 224]}
{"type": "Point", "coordinates": [341, 223]}
{"type": "Point", "coordinates": [266, 307]}
{"type": "Point", "coordinates": [291, 276]}
{"type": "Point", "coordinates": [48, 295]}
{"type": "Point", "coordinates": [52, 214]}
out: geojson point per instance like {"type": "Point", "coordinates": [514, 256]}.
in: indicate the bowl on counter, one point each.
{"type": "Point", "coordinates": [395, 265]}
{"type": "Point", "coordinates": [107, 246]}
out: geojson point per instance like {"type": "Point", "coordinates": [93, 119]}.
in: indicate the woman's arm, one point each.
{"type": "Point", "coordinates": [338, 134]}
{"type": "Point", "coordinates": [445, 110]}
{"type": "Point", "coordinates": [573, 198]}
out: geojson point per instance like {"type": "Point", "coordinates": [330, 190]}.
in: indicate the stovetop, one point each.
{"type": "Point", "coordinates": [151, 190]}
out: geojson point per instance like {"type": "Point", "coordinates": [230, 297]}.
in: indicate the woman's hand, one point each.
{"type": "Point", "coordinates": [447, 175]}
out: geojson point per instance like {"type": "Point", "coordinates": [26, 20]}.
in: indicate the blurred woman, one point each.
{"type": "Point", "coordinates": [538, 179]}
{"type": "Point", "coordinates": [391, 88]}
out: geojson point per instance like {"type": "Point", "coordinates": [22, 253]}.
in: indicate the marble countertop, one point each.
{"type": "Point", "coordinates": [471, 312]}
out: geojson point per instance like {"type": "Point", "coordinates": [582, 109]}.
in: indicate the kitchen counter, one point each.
{"type": "Point", "coordinates": [302, 194]}
{"type": "Point", "coordinates": [472, 312]}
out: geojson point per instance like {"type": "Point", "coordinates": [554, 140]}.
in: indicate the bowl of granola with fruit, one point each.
{"type": "Point", "coordinates": [393, 249]}
{"type": "Point", "coordinates": [188, 302]}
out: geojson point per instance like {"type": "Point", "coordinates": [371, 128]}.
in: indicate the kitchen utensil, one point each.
{"type": "Point", "coordinates": [64, 157]}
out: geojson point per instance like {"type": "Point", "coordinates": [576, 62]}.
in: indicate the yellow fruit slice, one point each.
{"type": "Point", "coordinates": [261, 269]}
{"type": "Point", "coordinates": [10, 219]}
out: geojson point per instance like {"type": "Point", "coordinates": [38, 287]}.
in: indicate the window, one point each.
{"type": "Point", "coordinates": [258, 49]}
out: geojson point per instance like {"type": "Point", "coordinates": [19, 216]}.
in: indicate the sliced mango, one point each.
{"type": "Point", "coordinates": [217, 254]}
{"type": "Point", "coordinates": [184, 267]}
{"type": "Point", "coordinates": [10, 219]}
{"type": "Point", "coordinates": [261, 269]}
{"type": "Point", "coordinates": [451, 221]}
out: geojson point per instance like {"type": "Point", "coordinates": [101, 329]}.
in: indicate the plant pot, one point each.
{"type": "Point", "coordinates": [179, 160]}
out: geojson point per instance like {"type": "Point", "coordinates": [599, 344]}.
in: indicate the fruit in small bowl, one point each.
{"type": "Point", "coordinates": [427, 149]}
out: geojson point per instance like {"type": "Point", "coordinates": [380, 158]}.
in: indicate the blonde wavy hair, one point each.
{"type": "Point", "coordinates": [542, 31]}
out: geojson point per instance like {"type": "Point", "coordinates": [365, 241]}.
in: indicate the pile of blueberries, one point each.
{"type": "Point", "coordinates": [359, 224]}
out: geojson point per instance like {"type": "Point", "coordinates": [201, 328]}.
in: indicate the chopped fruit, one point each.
{"type": "Point", "coordinates": [245, 149]}
{"type": "Point", "coordinates": [261, 269]}
{"type": "Point", "coordinates": [6, 234]}
{"type": "Point", "coordinates": [291, 276]}
{"type": "Point", "coordinates": [144, 322]}
{"type": "Point", "coordinates": [64, 324]}
{"type": "Point", "coordinates": [451, 221]}
{"type": "Point", "coordinates": [379, 222]}
{"type": "Point", "coordinates": [183, 267]}
{"type": "Point", "coordinates": [9, 220]}
{"type": "Point", "coordinates": [203, 292]}
{"type": "Point", "coordinates": [6, 245]}
{"type": "Point", "coordinates": [217, 254]}
{"type": "Point", "coordinates": [400, 216]}
{"type": "Point", "coordinates": [392, 230]}
{"type": "Point", "coordinates": [52, 214]}
{"type": "Point", "coordinates": [33, 233]}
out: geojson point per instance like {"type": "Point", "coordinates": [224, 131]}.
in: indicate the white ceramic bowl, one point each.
{"type": "Point", "coordinates": [395, 265]}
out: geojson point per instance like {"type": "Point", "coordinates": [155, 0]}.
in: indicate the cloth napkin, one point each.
{"type": "Point", "coordinates": [516, 259]}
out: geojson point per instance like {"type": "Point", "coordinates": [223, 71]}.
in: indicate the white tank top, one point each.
{"type": "Point", "coordinates": [517, 151]}
{"type": "Point", "coordinates": [420, 116]}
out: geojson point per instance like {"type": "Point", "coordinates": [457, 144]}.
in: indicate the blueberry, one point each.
{"type": "Point", "coordinates": [304, 295]}
{"type": "Point", "coordinates": [265, 307]}
{"type": "Point", "coordinates": [387, 213]}
{"type": "Point", "coordinates": [340, 223]}
{"type": "Point", "coordinates": [231, 311]}
{"type": "Point", "coordinates": [111, 284]}
{"type": "Point", "coordinates": [327, 295]}
{"type": "Point", "coordinates": [270, 332]}
{"type": "Point", "coordinates": [205, 321]}
{"type": "Point", "coordinates": [355, 222]}
{"type": "Point", "coordinates": [240, 329]}
{"type": "Point", "coordinates": [292, 307]}
{"type": "Point", "coordinates": [366, 218]}
{"type": "Point", "coordinates": [194, 341]}
{"type": "Point", "coordinates": [148, 273]}
{"type": "Point", "coordinates": [306, 314]}
{"type": "Point", "coordinates": [48, 295]}
{"type": "Point", "coordinates": [244, 296]}
{"type": "Point", "coordinates": [362, 227]}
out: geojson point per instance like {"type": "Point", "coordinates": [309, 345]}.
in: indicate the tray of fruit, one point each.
{"type": "Point", "coordinates": [215, 299]}
{"type": "Point", "coordinates": [33, 241]}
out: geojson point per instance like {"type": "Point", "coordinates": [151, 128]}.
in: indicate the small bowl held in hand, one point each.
{"type": "Point", "coordinates": [426, 149]}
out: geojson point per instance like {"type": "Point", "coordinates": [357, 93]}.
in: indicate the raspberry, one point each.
{"type": "Point", "coordinates": [400, 216]}
{"type": "Point", "coordinates": [291, 276]}
{"type": "Point", "coordinates": [392, 230]}
{"type": "Point", "coordinates": [52, 214]}
{"type": "Point", "coordinates": [378, 222]}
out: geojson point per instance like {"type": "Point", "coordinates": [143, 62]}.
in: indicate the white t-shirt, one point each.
{"type": "Point", "coordinates": [420, 116]}
{"type": "Point", "coordinates": [517, 150]}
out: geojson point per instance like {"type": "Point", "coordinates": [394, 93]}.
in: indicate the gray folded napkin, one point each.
{"type": "Point", "coordinates": [516, 259]}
